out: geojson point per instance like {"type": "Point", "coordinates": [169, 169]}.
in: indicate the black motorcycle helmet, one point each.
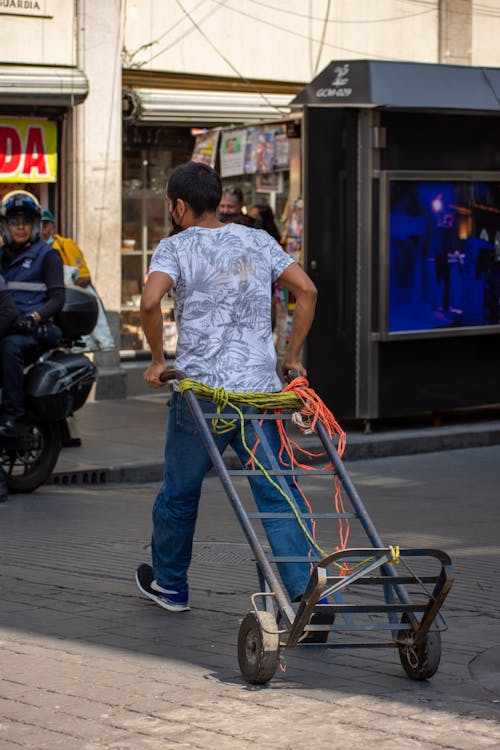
{"type": "Point", "coordinates": [20, 202]}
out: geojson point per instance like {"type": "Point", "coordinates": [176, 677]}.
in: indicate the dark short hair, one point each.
{"type": "Point", "coordinates": [235, 192]}
{"type": "Point", "coordinates": [267, 220]}
{"type": "Point", "coordinates": [197, 184]}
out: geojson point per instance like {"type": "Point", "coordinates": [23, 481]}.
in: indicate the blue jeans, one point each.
{"type": "Point", "coordinates": [16, 351]}
{"type": "Point", "coordinates": [176, 505]}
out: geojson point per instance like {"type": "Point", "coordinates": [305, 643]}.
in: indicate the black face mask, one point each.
{"type": "Point", "coordinates": [229, 217]}
{"type": "Point", "coordinates": [176, 228]}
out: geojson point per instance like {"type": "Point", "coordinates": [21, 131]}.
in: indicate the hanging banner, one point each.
{"type": "Point", "coordinates": [269, 183]}
{"type": "Point", "coordinates": [205, 148]}
{"type": "Point", "coordinates": [281, 150]}
{"type": "Point", "coordinates": [232, 152]}
{"type": "Point", "coordinates": [28, 150]}
{"type": "Point", "coordinates": [259, 156]}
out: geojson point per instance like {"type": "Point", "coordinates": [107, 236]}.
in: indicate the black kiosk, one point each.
{"type": "Point", "coordinates": [402, 236]}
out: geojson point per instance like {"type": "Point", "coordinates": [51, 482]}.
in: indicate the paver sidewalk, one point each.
{"type": "Point", "coordinates": [89, 664]}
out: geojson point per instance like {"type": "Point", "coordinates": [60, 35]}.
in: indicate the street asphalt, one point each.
{"type": "Point", "coordinates": [87, 663]}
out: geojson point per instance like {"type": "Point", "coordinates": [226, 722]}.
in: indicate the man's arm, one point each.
{"type": "Point", "coordinates": [83, 281]}
{"type": "Point", "coordinates": [156, 287]}
{"type": "Point", "coordinates": [53, 277]}
{"type": "Point", "coordinates": [295, 279]}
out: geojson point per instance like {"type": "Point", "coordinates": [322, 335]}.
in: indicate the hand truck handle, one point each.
{"type": "Point", "coordinates": [171, 375]}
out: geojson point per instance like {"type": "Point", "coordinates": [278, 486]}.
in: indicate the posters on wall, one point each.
{"type": "Point", "coordinates": [259, 152]}
{"type": "Point", "coordinates": [267, 151]}
{"type": "Point", "coordinates": [254, 150]}
{"type": "Point", "coordinates": [269, 183]}
{"type": "Point", "coordinates": [281, 150]}
{"type": "Point", "coordinates": [232, 152]}
{"type": "Point", "coordinates": [205, 148]}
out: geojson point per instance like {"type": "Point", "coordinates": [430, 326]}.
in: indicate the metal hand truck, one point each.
{"type": "Point", "coordinates": [409, 612]}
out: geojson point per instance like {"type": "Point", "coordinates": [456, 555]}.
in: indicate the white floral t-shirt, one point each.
{"type": "Point", "coordinates": [222, 302]}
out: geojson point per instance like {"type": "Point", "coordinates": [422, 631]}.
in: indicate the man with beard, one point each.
{"type": "Point", "coordinates": [33, 272]}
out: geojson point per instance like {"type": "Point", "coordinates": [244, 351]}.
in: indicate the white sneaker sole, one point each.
{"type": "Point", "coordinates": [158, 598]}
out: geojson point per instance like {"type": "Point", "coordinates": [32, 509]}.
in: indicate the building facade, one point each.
{"type": "Point", "coordinates": [115, 93]}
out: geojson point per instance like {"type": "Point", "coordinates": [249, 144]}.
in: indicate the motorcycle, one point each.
{"type": "Point", "coordinates": [55, 386]}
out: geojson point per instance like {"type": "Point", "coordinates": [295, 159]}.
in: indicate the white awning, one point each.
{"type": "Point", "coordinates": [206, 107]}
{"type": "Point", "coordinates": [37, 85]}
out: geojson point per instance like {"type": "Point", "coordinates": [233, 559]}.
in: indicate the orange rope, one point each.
{"type": "Point", "coordinates": [313, 409]}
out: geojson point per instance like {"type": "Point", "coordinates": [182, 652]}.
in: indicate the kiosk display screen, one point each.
{"type": "Point", "coordinates": [443, 254]}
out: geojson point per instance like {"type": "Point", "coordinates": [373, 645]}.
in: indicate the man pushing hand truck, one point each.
{"type": "Point", "coordinates": [222, 276]}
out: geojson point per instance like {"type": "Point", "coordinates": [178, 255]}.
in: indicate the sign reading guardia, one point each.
{"type": "Point", "coordinates": [21, 5]}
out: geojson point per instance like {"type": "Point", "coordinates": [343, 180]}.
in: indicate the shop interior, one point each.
{"type": "Point", "coordinates": [150, 153]}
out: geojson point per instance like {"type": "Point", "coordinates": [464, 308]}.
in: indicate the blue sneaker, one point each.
{"type": "Point", "coordinates": [175, 600]}
{"type": "Point", "coordinates": [318, 618]}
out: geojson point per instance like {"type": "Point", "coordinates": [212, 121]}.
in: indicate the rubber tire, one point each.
{"type": "Point", "coordinates": [428, 654]}
{"type": "Point", "coordinates": [258, 650]}
{"type": "Point", "coordinates": [41, 468]}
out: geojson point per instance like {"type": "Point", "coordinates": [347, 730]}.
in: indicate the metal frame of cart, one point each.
{"type": "Point", "coordinates": [411, 600]}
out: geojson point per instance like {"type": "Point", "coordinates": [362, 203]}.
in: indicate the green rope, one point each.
{"type": "Point", "coordinates": [220, 425]}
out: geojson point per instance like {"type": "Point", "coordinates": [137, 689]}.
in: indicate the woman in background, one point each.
{"type": "Point", "coordinates": [263, 218]}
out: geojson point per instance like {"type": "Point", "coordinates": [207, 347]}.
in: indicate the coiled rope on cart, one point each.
{"type": "Point", "coordinates": [299, 396]}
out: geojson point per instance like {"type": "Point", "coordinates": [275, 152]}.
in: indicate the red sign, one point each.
{"type": "Point", "coordinates": [28, 151]}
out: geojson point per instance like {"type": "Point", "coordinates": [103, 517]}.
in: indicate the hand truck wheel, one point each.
{"type": "Point", "coordinates": [258, 647]}
{"type": "Point", "coordinates": [422, 662]}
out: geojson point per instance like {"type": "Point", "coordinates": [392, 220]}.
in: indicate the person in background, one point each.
{"type": "Point", "coordinates": [263, 218]}
{"type": "Point", "coordinates": [69, 251]}
{"type": "Point", "coordinates": [34, 275]}
{"type": "Point", "coordinates": [77, 272]}
{"type": "Point", "coordinates": [230, 208]}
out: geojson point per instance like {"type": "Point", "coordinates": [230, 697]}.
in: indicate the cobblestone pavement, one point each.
{"type": "Point", "coordinates": [87, 664]}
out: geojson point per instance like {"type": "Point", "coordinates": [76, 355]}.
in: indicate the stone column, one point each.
{"type": "Point", "coordinates": [97, 172]}
{"type": "Point", "coordinates": [455, 32]}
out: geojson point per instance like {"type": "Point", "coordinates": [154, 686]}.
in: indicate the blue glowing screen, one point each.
{"type": "Point", "coordinates": [444, 254]}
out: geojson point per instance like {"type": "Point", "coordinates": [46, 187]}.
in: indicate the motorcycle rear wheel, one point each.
{"type": "Point", "coordinates": [27, 468]}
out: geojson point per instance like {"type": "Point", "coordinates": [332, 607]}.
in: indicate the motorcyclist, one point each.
{"type": "Point", "coordinates": [8, 310]}
{"type": "Point", "coordinates": [34, 275]}
{"type": "Point", "coordinates": [8, 314]}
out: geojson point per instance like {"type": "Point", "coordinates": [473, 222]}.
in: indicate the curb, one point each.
{"type": "Point", "coordinates": [359, 447]}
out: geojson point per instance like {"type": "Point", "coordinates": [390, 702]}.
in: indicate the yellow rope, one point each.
{"type": "Point", "coordinates": [221, 397]}
{"type": "Point", "coordinates": [394, 558]}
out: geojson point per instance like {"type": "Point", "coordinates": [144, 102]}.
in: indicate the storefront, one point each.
{"type": "Point", "coordinates": [149, 154]}
{"type": "Point", "coordinates": [36, 105]}
{"type": "Point", "coordinates": [164, 128]}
